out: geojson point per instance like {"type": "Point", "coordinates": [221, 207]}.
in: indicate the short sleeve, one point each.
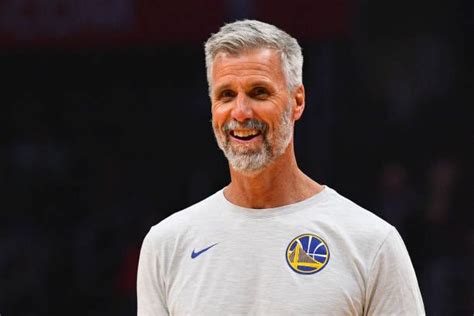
{"type": "Point", "coordinates": [392, 287]}
{"type": "Point", "coordinates": [150, 285]}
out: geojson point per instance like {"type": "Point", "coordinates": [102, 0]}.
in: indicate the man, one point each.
{"type": "Point", "coordinates": [273, 242]}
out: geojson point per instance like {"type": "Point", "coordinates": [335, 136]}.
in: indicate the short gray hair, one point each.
{"type": "Point", "coordinates": [237, 37]}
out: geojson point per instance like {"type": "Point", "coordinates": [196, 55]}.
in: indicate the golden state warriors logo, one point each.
{"type": "Point", "coordinates": [307, 254]}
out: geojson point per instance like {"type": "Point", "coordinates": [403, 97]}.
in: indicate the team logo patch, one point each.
{"type": "Point", "coordinates": [307, 254]}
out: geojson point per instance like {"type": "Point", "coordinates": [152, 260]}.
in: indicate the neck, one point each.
{"type": "Point", "coordinates": [280, 183]}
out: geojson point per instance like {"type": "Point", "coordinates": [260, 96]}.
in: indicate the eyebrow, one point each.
{"type": "Point", "coordinates": [252, 85]}
{"type": "Point", "coordinates": [260, 83]}
{"type": "Point", "coordinates": [222, 87]}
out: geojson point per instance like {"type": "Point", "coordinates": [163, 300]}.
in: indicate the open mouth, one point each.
{"type": "Point", "coordinates": [245, 135]}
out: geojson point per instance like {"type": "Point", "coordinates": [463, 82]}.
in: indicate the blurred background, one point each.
{"type": "Point", "coordinates": [105, 131]}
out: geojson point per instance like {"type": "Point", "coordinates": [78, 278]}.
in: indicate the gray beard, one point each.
{"type": "Point", "coordinates": [251, 160]}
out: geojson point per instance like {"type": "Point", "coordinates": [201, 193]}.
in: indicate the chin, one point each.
{"type": "Point", "coordinates": [249, 167]}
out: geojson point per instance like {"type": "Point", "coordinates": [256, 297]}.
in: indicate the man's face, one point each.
{"type": "Point", "coordinates": [251, 108]}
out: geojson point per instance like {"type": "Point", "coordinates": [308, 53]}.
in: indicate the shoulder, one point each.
{"type": "Point", "coordinates": [354, 221]}
{"type": "Point", "coordinates": [170, 238]}
{"type": "Point", "coordinates": [354, 215]}
{"type": "Point", "coordinates": [182, 221]}
{"type": "Point", "coordinates": [353, 232]}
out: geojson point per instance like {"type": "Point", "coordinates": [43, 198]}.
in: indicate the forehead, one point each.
{"type": "Point", "coordinates": [258, 64]}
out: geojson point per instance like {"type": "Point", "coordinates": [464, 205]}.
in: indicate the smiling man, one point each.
{"type": "Point", "coordinates": [274, 241]}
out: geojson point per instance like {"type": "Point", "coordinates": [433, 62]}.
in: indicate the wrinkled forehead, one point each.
{"type": "Point", "coordinates": [258, 61]}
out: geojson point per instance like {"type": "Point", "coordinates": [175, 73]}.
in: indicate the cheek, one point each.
{"type": "Point", "coordinates": [271, 117]}
{"type": "Point", "coordinates": [217, 123]}
{"type": "Point", "coordinates": [219, 116]}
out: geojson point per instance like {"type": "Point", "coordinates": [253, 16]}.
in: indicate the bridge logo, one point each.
{"type": "Point", "coordinates": [307, 254]}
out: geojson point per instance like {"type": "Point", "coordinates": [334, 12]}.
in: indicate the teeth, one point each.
{"type": "Point", "coordinates": [245, 133]}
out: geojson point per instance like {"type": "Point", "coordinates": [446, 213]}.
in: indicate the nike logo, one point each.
{"type": "Point", "coordinates": [196, 254]}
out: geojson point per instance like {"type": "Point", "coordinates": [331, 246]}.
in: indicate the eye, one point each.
{"type": "Point", "coordinates": [260, 93]}
{"type": "Point", "coordinates": [226, 95]}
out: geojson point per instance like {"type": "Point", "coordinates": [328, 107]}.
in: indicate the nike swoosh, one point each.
{"type": "Point", "coordinates": [195, 254]}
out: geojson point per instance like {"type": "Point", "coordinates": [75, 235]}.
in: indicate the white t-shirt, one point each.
{"type": "Point", "coordinates": [321, 256]}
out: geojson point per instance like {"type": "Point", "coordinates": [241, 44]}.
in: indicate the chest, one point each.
{"type": "Point", "coordinates": [264, 272]}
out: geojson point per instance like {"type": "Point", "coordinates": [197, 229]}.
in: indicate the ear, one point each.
{"type": "Point", "coordinates": [299, 98]}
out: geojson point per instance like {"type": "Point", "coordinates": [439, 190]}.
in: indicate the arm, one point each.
{"type": "Point", "coordinates": [150, 286]}
{"type": "Point", "coordinates": [392, 288]}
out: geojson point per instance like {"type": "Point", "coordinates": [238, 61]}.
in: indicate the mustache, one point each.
{"type": "Point", "coordinates": [247, 124]}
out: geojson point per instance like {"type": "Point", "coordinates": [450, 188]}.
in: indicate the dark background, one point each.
{"type": "Point", "coordinates": [105, 131]}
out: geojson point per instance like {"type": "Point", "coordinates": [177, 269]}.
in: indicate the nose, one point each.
{"type": "Point", "coordinates": [242, 110]}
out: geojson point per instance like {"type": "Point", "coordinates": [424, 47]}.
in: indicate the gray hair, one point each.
{"type": "Point", "coordinates": [237, 37]}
